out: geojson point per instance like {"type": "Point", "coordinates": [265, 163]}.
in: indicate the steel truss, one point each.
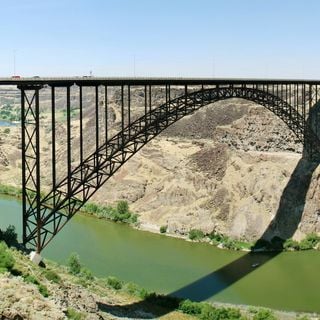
{"type": "Point", "coordinates": [45, 216]}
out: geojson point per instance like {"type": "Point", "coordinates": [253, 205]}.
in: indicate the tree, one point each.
{"type": "Point", "coordinates": [74, 264]}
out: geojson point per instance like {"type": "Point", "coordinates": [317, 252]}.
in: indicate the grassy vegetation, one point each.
{"type": "Point", "coordinates": [74, 315]}
{"type": "Point", "coordinates": [196, 234]}
{"type": "Point", "coordinates": [311, 241]}
{"type": "Point", "coordinates": [41, 287]}
{"type": "Point", "coordinates": [6, 258]}
{"type": "Point", "coordinates": [163, 229]}
{"type": "Point", "coordinates": [9, 113]}
{"type": "Point", "coordinates": [10, 191]}
{"type": "Point", "coordinates": [120, 213]}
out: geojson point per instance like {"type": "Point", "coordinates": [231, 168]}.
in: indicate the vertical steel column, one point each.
{"type": "Point", "coordinates": [129, 107]}
{"type": "Point", "coordinates": [97, 116]}
{"type": "Point", "coordinates": [30, 132]}
{"type": "Point", "coordinates": [81, 125]}
{"type": "Point", "coordinates": [53, 138]}
{"type": "Point", "coordinates": [122, 122]}
{"type": "Point", "coordinates": [68, 140]}
{"type": "Point", "coordinates": [38, 187]}
{"type": "Point", "coordinates": [145, 112]}
{"type": "Point", "coordinates": [185, 98]}
{"type": "Point", "coordinates": [106, 114]}
{"type": "Point", "coordinates": [24, 183]}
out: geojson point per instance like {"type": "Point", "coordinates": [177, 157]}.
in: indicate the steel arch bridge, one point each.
{"type": "Point", "coordinates": [296, 102]}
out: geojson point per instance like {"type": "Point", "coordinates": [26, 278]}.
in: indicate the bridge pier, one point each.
{"type": "Point", "coordinates": [35, 257]}
{"type": "Point", "coordinates": [30, 133]}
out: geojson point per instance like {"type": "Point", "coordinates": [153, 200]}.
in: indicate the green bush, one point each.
{"type": "Point", "coordinates": [31, 279]}
{"type": "Point", "coordinates": [10, 190]}
{"type": "Point", "coordinates": [119, 214]}
{"type": "Point", "coordinates": [114, 283]}
{"type": "Point", "coordinates": [6, 131]}
{"type": "Point", "coordinates": [163, 229]}
{"type": "Point", "coordinates": [91, 208]}
{"type": "Point", "coordinates": [9, 236]}
{"type": "Point", "coordinates": [132, 289]}
{"type": "Point", "coordinates": [74, 264]}
{"type": "Point", "coordinates": [74, 315]}
{"type": "Point", "coordinates": [264, 314]}
{"type": "Point", "coordinates": [41, 287]}
{"type": "Point", "coordinates": [190, 307]}
{"type": "Point", "coordinates": [52, 276]}
{"type": "Point", "coordinates": [43, 290]}
{"type": "Point", "coordinates": [291, 244]}
{"type": "Point", "coordinates": [86, 273]}
{"type": "Point", "coordinates": [196, 234]}
{"type": "Point", "coordinates": [122, 207]}
{"type": "Point", "coordinates": [216, 237]}
{"type": "Point", "coordinates": [6, 258]}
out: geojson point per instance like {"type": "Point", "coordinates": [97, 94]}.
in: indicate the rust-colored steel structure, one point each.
{"type": "Point", "coordinates": [296, 102]}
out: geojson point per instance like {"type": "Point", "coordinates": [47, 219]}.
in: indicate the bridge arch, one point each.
{"type": "Point", "coordinates": [68, 196]}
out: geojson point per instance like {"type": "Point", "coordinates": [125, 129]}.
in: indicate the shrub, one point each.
{"type": "Point", "coordinates": [163, 229]}
{"type": "Point", "coordinates": [73, 314]}
{"type": "Point", "coordinates": [9, 236]}
{"type": "Point", "coordinates": [122, 207]}
{"type": "Point", "coordinates": [196, 234]}
{"type": "Point", "coordinates": [6, 131]}
{"type": "Point", "coordinates": [52, 276]}
{"type": "Point", "coordinates": [41, 287]}
{"type": "Point", "coordinates": [264, 314]}
{"type": "Point", "coordinates": [31, 279]}
{"type": "Point", "coordinates": [114, 283]}
{"type": "Point", "coordinates": [211, 313]}
{"type": "Point", "coordinates": [6, 258]}
{"type": "Point", "coordinates": [91, 207]}
{"type": "Point", "coordinates": [189, 307]}
{"type": "Point", "coordinates": [86, 273]}
{"type": "Point", "coordinates": [43, 290]}
{"type": "Point", "coordinates": [291, 244]}
{"type": "Point", "coordinates": [313, 238]}
{"type": "Point", "coordinates": [133, 218]}
{"type": "Point", "coordinates": [132, 288]}
{"type": "Point", "coordinates": [216, 237]}
{"type": "Point", "coordinates": [74, 264]}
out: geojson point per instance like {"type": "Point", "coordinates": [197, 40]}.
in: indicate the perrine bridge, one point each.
{"type": "Point", "coordinates": [296, 102]}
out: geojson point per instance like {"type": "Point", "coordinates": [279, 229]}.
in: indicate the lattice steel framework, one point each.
{"type": "Point", "coordinates": [296, 103]}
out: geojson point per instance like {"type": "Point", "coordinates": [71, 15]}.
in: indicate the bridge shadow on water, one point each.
{"type": "Point", "coordinates": [282, 227]}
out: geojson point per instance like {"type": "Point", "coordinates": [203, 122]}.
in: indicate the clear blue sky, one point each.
{"type": "Point", "coordinates": [205, 38]}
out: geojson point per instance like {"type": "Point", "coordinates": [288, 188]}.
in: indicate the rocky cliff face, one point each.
{"type": "Point", "coordinates": [233, 167]}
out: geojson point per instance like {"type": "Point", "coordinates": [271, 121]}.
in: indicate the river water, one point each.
{"type": "Point", "coordinates": [286, 281]}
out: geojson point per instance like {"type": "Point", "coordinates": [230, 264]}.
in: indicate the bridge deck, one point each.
{"type": "Point", "coordinates": [114, 81]}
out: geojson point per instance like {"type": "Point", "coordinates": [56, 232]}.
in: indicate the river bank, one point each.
{"type": "Point", "coordinates": [59, 292]}
{"type": "Point", "coordinates": [197, 271]}
{"type": "Point", "coordinates": [121, 213]}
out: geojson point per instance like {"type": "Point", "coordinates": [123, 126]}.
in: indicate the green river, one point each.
{"type": "Point", "coordinates": [286, 281]}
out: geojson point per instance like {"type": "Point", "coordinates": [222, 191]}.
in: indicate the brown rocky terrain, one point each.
{"type": "Point", "coordinates": [233, 167]}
